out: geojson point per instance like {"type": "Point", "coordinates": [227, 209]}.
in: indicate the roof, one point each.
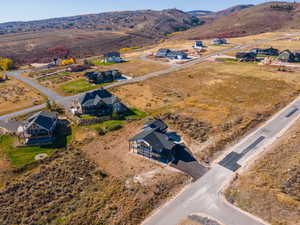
{"type": "Point", "coordinates": [286, 51]}
{"type": "Point", "coordinates": [112, 54]}
{"type": "Point", "coordinates": [245, 55]}
{"type": "Point", "coordinates": [157, 124]}
{"type": "Point", "coordinates": [95, 97]}
{"type": "Point", "coordinates": [159, 141]}
{"type": "Point", "coordinates": [43, 119]}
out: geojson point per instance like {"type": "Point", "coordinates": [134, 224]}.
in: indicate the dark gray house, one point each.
{"type": "Point", "coordinates": [267, 51]}
{"type": "Point", "coordinates": [162, 53]}
{"type": "Point", "coordinates": [177, 55]}
{"type": "Point", "coordinates": [286, 56]}
{"type": "Point", "coordinates": [153, 142]}
{"type": "Point", "coordinates": [112, 57]}
{"type": "Point", "coordinates": [157, 124]}
{"type": "Point", "coordinates": [198, 44]}
{"type": "Point", "coordinates": [98, 103]}
{"type": "Point", "coordinates": [103, 77]}
{"type": "Point", "coordinates": [167, 53]}
{"type": "Point", "coordinates": [246, 56]}
{"type": "Point", "coordinates": [39, 128]}
{"type": "Point", "coordinates": [219, 41]}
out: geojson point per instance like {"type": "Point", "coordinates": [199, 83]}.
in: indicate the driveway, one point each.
{"type": "Point", "coordinates": [185, 162]}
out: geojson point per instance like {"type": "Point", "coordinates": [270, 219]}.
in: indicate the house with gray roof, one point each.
{"type": "Point", "coordinates": [219, 41]}
{"type": "Point", "coordinates": [112, 57]}
{"type": "Point", "coordinates": [38, 129]}
{"type": "Point", "coordinates": [198, 44]}
{"type": "Point", "coordinates": [167, 53]}
{"type": "Point", "coordinates": [153, 142]}
{"type": "Point", "coordinates": [98, 103]}
{"type": "Point", "coordinates": [103, 77]}
{"type": "Point", "coordinates": [286, 56]}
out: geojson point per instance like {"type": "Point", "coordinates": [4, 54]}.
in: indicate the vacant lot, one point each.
{"type": "Point", "coordinates": [271, 189]}
{"type": "Point", "coordinates": [14, 96]}
{"type": "Point", "coordinates": [229, 97]}
{"type": "Point", "coordinates": [119, 189]}
{"type": "Point", "coordinates": [135, 67]}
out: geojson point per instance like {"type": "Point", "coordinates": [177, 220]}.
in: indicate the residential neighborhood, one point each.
{"type": "Point", "coordinates": [153, 142]}
{"type": "Point", "coordinates": [150, 113]}
{"type": "Point", "coordinates": [98, 103]}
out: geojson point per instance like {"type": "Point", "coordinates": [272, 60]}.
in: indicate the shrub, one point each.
{"type": "Point", "coordinates": [6, 64]}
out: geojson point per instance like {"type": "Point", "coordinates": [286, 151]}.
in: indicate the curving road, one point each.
{"type": "Point", "coordinates": [65, 101]}
{"type": "Point", "coordinates": [205, 195]}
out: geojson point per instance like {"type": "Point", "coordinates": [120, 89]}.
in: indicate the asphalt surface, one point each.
{"type": "Point", "coordinates": [205, 195]}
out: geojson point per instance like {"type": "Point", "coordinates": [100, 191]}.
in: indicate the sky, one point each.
{"type": "Point", "coordinates": [25, 10]}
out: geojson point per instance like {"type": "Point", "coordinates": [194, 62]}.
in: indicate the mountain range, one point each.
{"type": "Point", "coordinates": [94, 34]}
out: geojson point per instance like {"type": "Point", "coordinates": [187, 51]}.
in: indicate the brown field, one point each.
{"type": "Point", "coordinates": [95, 181]}
{"type": "Point", "coordinates": [135, 67]}
{"type": "Point", "coordinates": [230, 97]}
{"type": "Point", "coordinates": [270, 189]}
{"type": "Point", "coordinates": [14, 96]}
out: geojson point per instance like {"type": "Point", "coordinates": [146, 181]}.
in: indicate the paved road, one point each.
{"type": "Point", "coordinates": [204, 196]}
{"type": "Point", "coordinates": [45, 91]}
{"type": "Point", "coordinates": [66, 101]}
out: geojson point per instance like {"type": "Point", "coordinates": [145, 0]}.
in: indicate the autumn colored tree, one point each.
{"type": "Point", "coordinates": [6, 64]}
{"type": "Point", "coordinates": [68, 61]}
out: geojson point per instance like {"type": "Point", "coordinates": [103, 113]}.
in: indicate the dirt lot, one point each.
{"type": "Point", "coordinates": [14, 96]}
{"type": "Point", "coordinates": [231, 98]}
{"type": "Point", "coordinates": [118, 189]}
{"type": "Point", "coordinates": [135, 67]}
{"type": "Point", "coordinates": [271, 189]}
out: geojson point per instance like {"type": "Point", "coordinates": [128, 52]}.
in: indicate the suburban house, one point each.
{"type": "Point", "coordinates": [219, 41]}
{"type": "Point", "coordinates": [297, 56]}
{"type": "Point", "coordinates": [267, 51]}
{"type": "Point", "coordinates": [167, 53]}
{"type": "Point", "coordinates": [162, 53]}
{"type": "Point", "coordinates": [179, 55]}
{"type": "Point", "coordinates": [98, 103]}
{"type": "Point", "coordinates": [112, 57]}
{"type": "Point", "coordinates": [246, 56]}
{"type": "Point", "coordinates": [38, 129]}
{"type": "Point", "coordinates": [153, 142]}
{"type": "Point", "coordinates": [198, 44]}
{"type": "Point", "coordinates": [103, 77]}
{"type": "Point", "coordinates": [286, 56]}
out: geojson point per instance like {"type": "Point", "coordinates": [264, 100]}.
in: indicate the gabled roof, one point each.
{"type": "Point", "coordinates": [159, 141]}
{"type": "Point", "coordinates": [43, 119]}
{"type": "Point", "coordinates": [112, 54]}
{"type": "Point", "coordinates": [157, 124]}
{"type": "Point", "coordinates": [95, 97]}
{"type": "Point", "coordinates": [286, 51]}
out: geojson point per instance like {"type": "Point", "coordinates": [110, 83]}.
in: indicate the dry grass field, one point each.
{"type": "Point", "coordinates": [14, 96]}
{"type": "Point", "coordinates": [135, 67]}
{"type": "Point", "coordinates": [230, 97]}
{"type": "Point", "coordinates": [270, 189]}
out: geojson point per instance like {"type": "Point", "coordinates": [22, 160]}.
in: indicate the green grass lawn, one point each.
{"type": "Point", "coordinates": [100, 63]}
{"type": "Point", "coordinates": [78, 86]}
{"type": "Point", "coordinates": [111, 125]}
{"type": "Point", "coordinates": [25, 155]}
{"type": "Point", "coordinates": [228, 60]}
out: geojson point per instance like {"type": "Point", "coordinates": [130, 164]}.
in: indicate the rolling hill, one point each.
{"type": "Point", "coordinates": [267, 17]}
{"type": "Point", "coordinates": [85, 35]}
